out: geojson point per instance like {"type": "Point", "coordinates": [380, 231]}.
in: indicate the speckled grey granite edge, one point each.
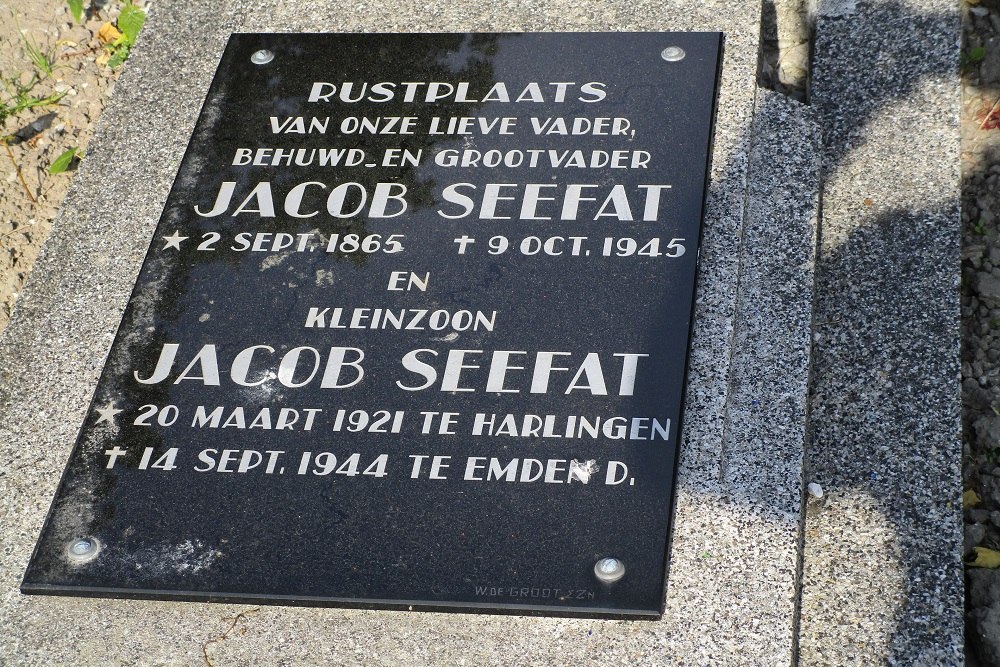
{"type": "Point", "coordinates": [882, 573]}
{"type": "Point", "coordinates": [766, 412]}
{"type": "Point", "coordinates": [51, 355]}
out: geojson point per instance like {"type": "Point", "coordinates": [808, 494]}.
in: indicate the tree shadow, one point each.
{"type": "Point", "coordinates": [884, 414]}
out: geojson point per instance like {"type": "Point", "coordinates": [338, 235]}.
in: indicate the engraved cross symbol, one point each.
{"type": "Point", "coordinates": [462, 242]}
{"type": "Point", "coordinates": [113, 455]}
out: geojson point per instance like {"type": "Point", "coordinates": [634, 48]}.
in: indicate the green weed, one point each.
{"type": "Point", "coordinates": [43, 62]}
{"type": "Point", "coordinates": [130, 22]}
{"type": "Point", "coordinates": [17, 97]}
{"type": "Point", "coordinates": [973, 56]}
{"type": "Point", "coordinates": [65, 160]}
{"type": "Point", "coordinates": [76, 9]}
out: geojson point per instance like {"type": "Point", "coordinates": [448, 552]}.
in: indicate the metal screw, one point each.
{"type": "Point", "coordinates": [83, 550]}
{"type": "Point", "coordinates": [262, 57]}
{"type": "Point", "coordinates": [609, 570]}
{"type": "Point", "coordinates": [672, 54]}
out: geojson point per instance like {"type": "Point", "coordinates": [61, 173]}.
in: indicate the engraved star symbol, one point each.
{"type": "Point", "coordinates": [174, 240]}
{"type": "Point", "coordinates": [107, 413]}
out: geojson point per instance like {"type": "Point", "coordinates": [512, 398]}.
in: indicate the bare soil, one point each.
{"type": "Point", "coordinates": [34, 138]}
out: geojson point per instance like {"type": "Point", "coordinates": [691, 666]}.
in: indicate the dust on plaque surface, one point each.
{"type": "Point", "coordinates": [412, 330]}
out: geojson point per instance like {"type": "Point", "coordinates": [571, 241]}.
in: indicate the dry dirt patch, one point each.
{"type": "Point", "coordinates": [33, 138]}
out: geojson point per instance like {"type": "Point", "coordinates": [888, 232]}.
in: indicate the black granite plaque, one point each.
{"type": "Point", "coordinates": [412, 331]}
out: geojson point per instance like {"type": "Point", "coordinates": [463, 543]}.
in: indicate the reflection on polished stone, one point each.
{"type": "Point", "coordinates": [411, 332]}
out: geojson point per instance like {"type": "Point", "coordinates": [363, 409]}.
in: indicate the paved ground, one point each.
{"type": "Point", "coordinates": [86, 83]}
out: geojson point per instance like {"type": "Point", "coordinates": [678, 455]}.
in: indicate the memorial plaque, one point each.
{"type": "Point", "coordinates": [411, 332]}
